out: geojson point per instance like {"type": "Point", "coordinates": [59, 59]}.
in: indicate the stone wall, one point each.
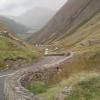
{"type": "Point", "coordinates": [14, 85]}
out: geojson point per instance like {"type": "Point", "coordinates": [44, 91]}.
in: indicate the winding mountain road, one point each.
{"type": "Point", "coordinates": [45, 60]}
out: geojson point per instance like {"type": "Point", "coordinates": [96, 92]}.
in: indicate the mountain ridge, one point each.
{"type": "Point", "coordinates": [69, 17]}
{"type": "Point", "coordinates": [12, 26]}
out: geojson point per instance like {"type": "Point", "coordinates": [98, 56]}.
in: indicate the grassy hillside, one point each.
{"type": "Point", "coordinates": [85, 42]}
{"type": "Point", "coordinates": [85, 36]}
{"type": "Point", "coordinates": [82, 69]}
{"type": "Point", "coordinates": [86, 89]}
{"type": "Point", "coordinates": [82, 72]}
{"type": "Point", "coordinates": [11, 48]}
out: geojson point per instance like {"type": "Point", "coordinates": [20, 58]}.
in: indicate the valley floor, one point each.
{"type": "Point", "coordinates": [43, 61]}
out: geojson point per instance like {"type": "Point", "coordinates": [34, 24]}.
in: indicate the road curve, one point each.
{"type": "Point", "coordinates": [45, 60]}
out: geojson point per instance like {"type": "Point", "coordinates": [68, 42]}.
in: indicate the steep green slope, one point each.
{"type": "Point", "coordinates": [82, 72]}
{"type": "Point", "coordinates": [13, 49]}
{"type": "Point", "coordinates": [85, 36]}
{"type": "Point", "coordinates": [85, 42]}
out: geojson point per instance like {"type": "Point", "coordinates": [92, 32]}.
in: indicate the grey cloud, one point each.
{"type": "Point", "coordinates": [16, 7]}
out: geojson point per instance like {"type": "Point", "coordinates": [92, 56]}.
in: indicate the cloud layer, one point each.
{"type": "Point", "coordinates": [17, 7]}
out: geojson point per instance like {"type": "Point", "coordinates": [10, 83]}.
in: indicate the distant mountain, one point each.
{"type": "Point", "coordinates": [72, 15]}
{"type": "Point", "coordinates": [36, 18]}
{"type": "Point", "coordinates": [12, 25]}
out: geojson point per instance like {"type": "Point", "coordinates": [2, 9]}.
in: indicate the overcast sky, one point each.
{"type": "Point", "coordinates": [17, 7]}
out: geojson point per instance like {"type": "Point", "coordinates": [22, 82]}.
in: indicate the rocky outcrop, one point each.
{"type": "Point", "coordinates": [73, 14]}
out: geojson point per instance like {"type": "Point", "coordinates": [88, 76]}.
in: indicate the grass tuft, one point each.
{"type": "Point", "coordinates": [88, 89]}
{"type": "Point", "coordinates": [38, 87]}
